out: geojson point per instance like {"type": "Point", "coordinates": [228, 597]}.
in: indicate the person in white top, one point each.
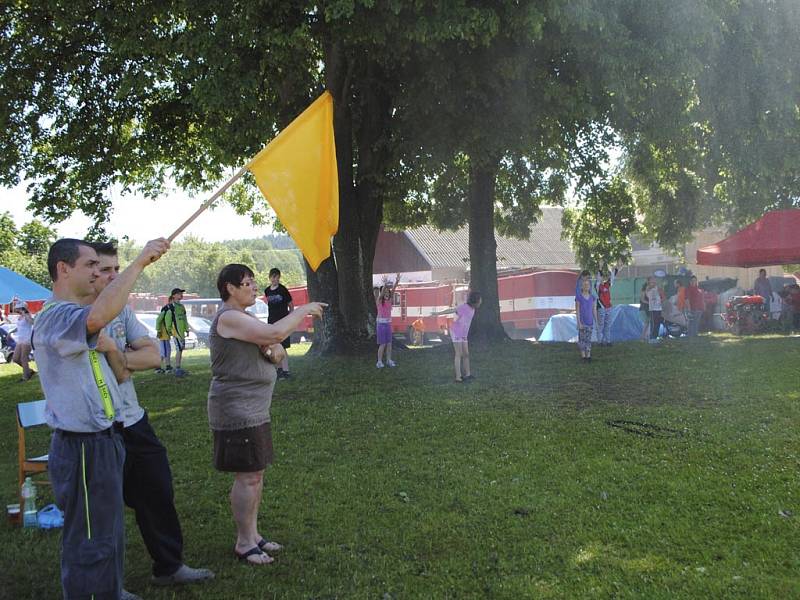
{"type": "Point", "coordinates": [23, 337]}
{"type": "Point", "coordinates": [655, 298]}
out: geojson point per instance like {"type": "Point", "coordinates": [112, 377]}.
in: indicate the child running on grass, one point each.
{"type": "Point", "coordinates": [586, 314]}
{"type": "Point", "coordinates": [383, 327]}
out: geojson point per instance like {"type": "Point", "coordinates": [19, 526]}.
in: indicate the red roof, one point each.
{"type": "Point", "coordinates": [772, 240]}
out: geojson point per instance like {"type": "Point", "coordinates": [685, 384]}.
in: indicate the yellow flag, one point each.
{"type": "Point", "coordinates": [297, 174]}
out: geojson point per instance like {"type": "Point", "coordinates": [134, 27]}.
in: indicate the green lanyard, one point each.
{"type": "Point", "coordinates": [97, 371]}
{"type": "Point", "coordinates": [108, 405]}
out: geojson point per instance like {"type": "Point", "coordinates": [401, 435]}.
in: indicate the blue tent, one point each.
{"type": "Point", "coordinates": [13, 284]}
{"type": "Point", "coordinates": [625, 326]}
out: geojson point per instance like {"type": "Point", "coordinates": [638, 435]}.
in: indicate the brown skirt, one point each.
{"type": "Point", "coordinates": [243, 450]}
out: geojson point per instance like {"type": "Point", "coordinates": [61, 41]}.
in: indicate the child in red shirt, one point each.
{"type": "Point", "coordinates": [604, 307]}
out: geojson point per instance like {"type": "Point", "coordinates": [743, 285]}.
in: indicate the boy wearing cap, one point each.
{"type": "Point", "coordinates": [172, 323]}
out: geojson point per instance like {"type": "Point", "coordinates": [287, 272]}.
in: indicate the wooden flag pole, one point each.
{"type": "Point", "coordinates": [208, 203]}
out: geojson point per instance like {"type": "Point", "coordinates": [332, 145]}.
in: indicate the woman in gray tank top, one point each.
{"type": "Point", "coordinates": [244, 351]}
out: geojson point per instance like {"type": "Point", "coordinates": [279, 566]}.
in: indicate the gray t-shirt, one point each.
{"type": "Point", "coordinates": [62, 346]}
{"type": "Point", "coordinates": [763, 288]}
{"type": "Point", "coordinates": [124, 330]}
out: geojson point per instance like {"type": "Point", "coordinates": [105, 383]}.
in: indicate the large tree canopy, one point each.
{"type": "Point", "coordinates": [96, 97]}
{"type": "Point", "coordinates": [98, 93]}
{"type": "Point", "coordinates": [489, 137]}
{"type": "Point", "coordinates": [715, 141]}
{"type": "Point", "coordinates": [697, 102]}
{"type": "Point", "coordinates": [446, 110]}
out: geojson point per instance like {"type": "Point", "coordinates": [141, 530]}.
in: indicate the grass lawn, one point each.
{"type": "Point", "coordinates": [653, 472]}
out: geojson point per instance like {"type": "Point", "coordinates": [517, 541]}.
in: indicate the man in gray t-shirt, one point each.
{"type": "Point", "coordinates": [74, 402]}
{"type": "Point", "coordinates": [147, 480]}
{"type": "Point", "coordinates": [77, 363]}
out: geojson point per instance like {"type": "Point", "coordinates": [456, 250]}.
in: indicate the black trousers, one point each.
{"type": "Point", "coordinates": [147, 489]}
{"type": "Point", "coordinates": [655, 323]}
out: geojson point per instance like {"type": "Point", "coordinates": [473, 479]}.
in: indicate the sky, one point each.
{"type": "Point", "coordinates": [142, 219]}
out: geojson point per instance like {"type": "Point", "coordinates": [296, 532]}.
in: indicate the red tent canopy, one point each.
{"type": "Point", "coordinates": [772, 240]}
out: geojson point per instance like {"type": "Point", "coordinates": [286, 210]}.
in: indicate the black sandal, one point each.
{"type": "Point", "coordinates": [252, 552]}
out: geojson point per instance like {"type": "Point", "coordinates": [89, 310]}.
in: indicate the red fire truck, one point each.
{"type": "Point", "coordinates": [412, 301]}
{"type": "Point", "coordinates": [424, 301]}
{"type": "Point", "coordinates": [527, 300]}
{"type": "Point", "coordinates": [300, 297]}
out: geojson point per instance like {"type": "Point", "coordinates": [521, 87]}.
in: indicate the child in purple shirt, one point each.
{"type": "Point", "coordinates": [586, 314]}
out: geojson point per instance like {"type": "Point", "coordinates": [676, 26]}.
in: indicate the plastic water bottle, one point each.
{"type": "Point", "coordinates": [29, 509]}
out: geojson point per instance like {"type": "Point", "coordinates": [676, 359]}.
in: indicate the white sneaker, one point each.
{"type": "Point", "coordinates": [379, 364]}
{"type": "Point", "coordinates": [391, 363]}
{"type": "Point", "coordinates": [184, 574]}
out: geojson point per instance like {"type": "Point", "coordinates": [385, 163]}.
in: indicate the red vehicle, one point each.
{"type": "Point", "coordinates": [300, 297]}
{"type": "Point", "coordinates": [746, 314]}
{"type": "Point", "coordinates": [527, 300]}
{"type": "Point", "coordinates": [414, 301]}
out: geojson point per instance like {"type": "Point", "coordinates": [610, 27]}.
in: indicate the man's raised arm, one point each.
{"type": "Point", "coordinates": [112, 300]}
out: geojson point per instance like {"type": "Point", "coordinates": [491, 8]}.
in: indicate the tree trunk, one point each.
{"type": "Point", "coordinates": [486, 326]}
{"type": "Point", "coordinates": [336, 280]}
{"type": "Point", "coordinates": [323, 286]}
{"type": "Point", "coordinates": [372, 136]}
{"type": "Point", "coordinates": [347, 283]}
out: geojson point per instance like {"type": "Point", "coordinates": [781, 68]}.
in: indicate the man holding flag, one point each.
{"type": "Point", "coordinates": [86, 451]}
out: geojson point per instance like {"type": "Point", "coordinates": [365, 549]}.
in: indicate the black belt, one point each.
{"type": "Point", "coordinates": [117, 427]}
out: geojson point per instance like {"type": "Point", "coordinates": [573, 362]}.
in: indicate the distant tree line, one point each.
{"type": "Point", "coordinates": [193, 264]}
